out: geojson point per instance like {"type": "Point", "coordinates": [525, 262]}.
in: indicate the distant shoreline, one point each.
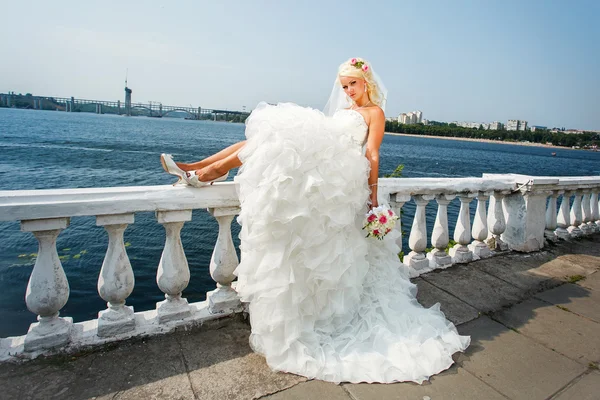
{"type": "Point", "coordinates": [482, 140]}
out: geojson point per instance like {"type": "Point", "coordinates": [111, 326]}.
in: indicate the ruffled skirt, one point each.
{"type": "Point", "coordinates": [325, 302]}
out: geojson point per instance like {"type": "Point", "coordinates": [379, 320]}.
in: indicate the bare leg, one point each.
{"type": "Point", "coordinates": [234, 148]}
{"type": "Point", "coordinates": [219, 168]}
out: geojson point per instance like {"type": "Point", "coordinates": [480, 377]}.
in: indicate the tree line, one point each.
{"type": "Point", "coordinates": [545, 136]}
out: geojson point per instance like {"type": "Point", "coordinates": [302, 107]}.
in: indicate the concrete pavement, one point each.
{"type": "Point", "coordinates": [534, 320]}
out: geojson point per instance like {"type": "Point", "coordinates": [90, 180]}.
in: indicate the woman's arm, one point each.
{"type": "Point", "coordinates": [376, 130]}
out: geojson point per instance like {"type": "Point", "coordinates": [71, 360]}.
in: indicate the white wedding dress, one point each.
{"type": "Point", "coordinates": [325, 302]}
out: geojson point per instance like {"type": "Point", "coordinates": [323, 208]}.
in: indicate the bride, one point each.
{"type": "Point", "coordinates": [325, 302]}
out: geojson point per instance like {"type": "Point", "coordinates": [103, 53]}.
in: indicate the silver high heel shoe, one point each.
{"type": "Point", "coordinates": [192, 179]}
{"type": "Point", "coordinates": [169, 165]}
{"type": "Point", "coordinates": [188, 177]}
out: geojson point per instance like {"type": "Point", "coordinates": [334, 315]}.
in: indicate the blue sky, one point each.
{"type": "Point", "coordinates": [454, 60]}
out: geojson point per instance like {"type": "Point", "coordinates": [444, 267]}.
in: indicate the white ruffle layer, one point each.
{"type": "Point", "coordinates": [326, 302]}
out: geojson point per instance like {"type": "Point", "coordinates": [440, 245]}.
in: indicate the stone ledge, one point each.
{"type": "Point", "coordinates": [84, 334]}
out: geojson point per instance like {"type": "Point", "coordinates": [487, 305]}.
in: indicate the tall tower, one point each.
{"type": "Point", "coordinates": [127, 98]}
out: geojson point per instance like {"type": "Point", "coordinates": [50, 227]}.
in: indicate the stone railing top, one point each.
{"type": "Point", "coordinates": [549, 182]}
{"type": "Point", "coordinates": [21, 205]}
{"type": "Point", "coordinates": [432, 186]}
{"type": "Point", "coordinates": [55, 203]}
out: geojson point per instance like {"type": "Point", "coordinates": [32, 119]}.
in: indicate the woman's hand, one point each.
{"type": "Point", "coordinates": [373, 201]}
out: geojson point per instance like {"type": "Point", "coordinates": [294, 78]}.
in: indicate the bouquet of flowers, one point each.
{"type": "Point", "coordinates": [379, 222]}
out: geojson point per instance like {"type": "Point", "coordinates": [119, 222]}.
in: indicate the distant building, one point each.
{"type": "Point", "coordinates": [516, 125]}
{"type": "Point", "coordinates": [496, 126]}
{"type": "Point", "coordinates": [473, 125]}
{"type": "Point", "coordinates": [522, 125]}
{"type": "Point", "coordinates": [414, 117]}
{"type": "Point", "coordinates": [536, 127]}
{"type": "Point", "coordinates": [512, 125]}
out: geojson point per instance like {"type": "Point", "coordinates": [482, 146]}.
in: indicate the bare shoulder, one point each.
{"type": "Point", "coordinates": [376, 114]}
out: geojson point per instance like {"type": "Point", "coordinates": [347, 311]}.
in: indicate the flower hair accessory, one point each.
{"type": "Point", "coordinates": [359, 64]}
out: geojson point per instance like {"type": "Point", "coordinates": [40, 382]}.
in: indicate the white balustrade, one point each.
{"type": "Point", "coordinates": [116, 280]}
{"type": "Point", "coordinates": [563, 220]}
{"type": "Point", "coordinates": [551, 220]}
{"type": "Point", "coordinates": [48, 288]}
{"type": "Point", "coordinates": [440, 236]}
{"type": "Point", "coordinates": [595, 210]}
{"type": "Point", "coordinates": [516, 219]}
{"type": "Point", "coordinates": [417, 241]}
{"type": "Point", "coordinates": [223, 262]}
{"type": "Point", "coordinates": [173, 273]}
{"type": "Point", "coordinates": [460, 253]}
{"type": "Point", "coordinates": [586, 224]}
{"type": "Point", "coordinates": [496, 221]}
{"type": "Point", "coordinates": [479, 231]}
{"type": "Point", "coordinates": [575, 216]}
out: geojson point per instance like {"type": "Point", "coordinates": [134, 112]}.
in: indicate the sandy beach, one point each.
{"type": "Point", "coordinates": [481, 140]}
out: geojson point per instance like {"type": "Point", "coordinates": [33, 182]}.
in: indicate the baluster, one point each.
{"type": "Point", "coordinates": [396, 206]}
{"type": "Point", "coordinates": [417, 241]}
{"type": "Point", "coordinates": [551, 222]}
{"type": "Point", "coordinates": [440, 236]}
{"type": "Point", "coordinates": [595, 210]}
{"type": "Point", "coordinates": [586, 224]}
{"type": "Point", "coordinates": [460, 253]}
{"type": "Point", "coordinates": [480, 230]}
{"type": "Point", "coordinates": [173, 273]}
{"type": "Point", "coordinates": [496, 221]}
{"type": "Point", "coordinates": [48, 288]}
{"type": "Point", "coordinates": [223, 262]}
{"type": "Point", "coordinates": [563, 219]}
{"type": "Point", "coordinates": [116, 280]}
{"type": "Point", "coordinates": [575, 217]}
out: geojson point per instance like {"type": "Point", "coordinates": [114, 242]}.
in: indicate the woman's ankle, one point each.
{"type": "Point", "coordinates": [184, 166]}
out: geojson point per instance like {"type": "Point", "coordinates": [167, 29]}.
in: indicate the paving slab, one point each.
{"type": "Point", "coordinates": [455, 383]}
{"type": "Point", "coordinates": [569, 334]}
{"type": "Point", "coordinates": [575, 298]}
{"type": "Point", "coordinates": [513, 364]}
{"type": "Point", "coordinates": [520, 275]}
{"type": "Point", "coordinates": [563, 268]}
{"type": "Point", "coordinates": [221, 365]}
{"type": "Point", "coordinates": [455, 310]}
{"type": "Point", "coordinates": [585, 245]}
{"type": "Point", "coordinates": [586, 388]}
{"type": "Point", "coordinates": [529, 260]}
{"type": "Point", "coordinates": [592, 281]}
{"type": "Point", "coordinates": [475, 287]}
{"type": "Point", "coordinates": [312, 390]}
{"type": "Point", "coordinates": [153, 368]}
{"type": "Point", "coordinates": [583, 260]}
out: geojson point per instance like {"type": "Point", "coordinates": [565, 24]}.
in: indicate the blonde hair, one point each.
{"type": "Point", "coordinates": [349, 68]}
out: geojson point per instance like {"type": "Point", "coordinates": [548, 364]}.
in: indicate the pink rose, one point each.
{"type": "Point", "coordinates": [371, 218]}
{"type": "Point", "coordinates": [365, 67]}
{"type": "Point", "coordinates": [390, 213]}
{"type": "Point", "coordinates": [383, 219]}
{"type": "Point", "coordinates": [376, 232]}
{"type": "Point", "coordinates": [353, 61]}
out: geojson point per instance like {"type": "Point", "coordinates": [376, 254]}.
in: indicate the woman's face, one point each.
{"type": "Point", "coordinates": [353, 87]}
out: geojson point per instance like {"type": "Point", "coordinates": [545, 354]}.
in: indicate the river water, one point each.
{"type": "Point", "coordinates": [45, 149]}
